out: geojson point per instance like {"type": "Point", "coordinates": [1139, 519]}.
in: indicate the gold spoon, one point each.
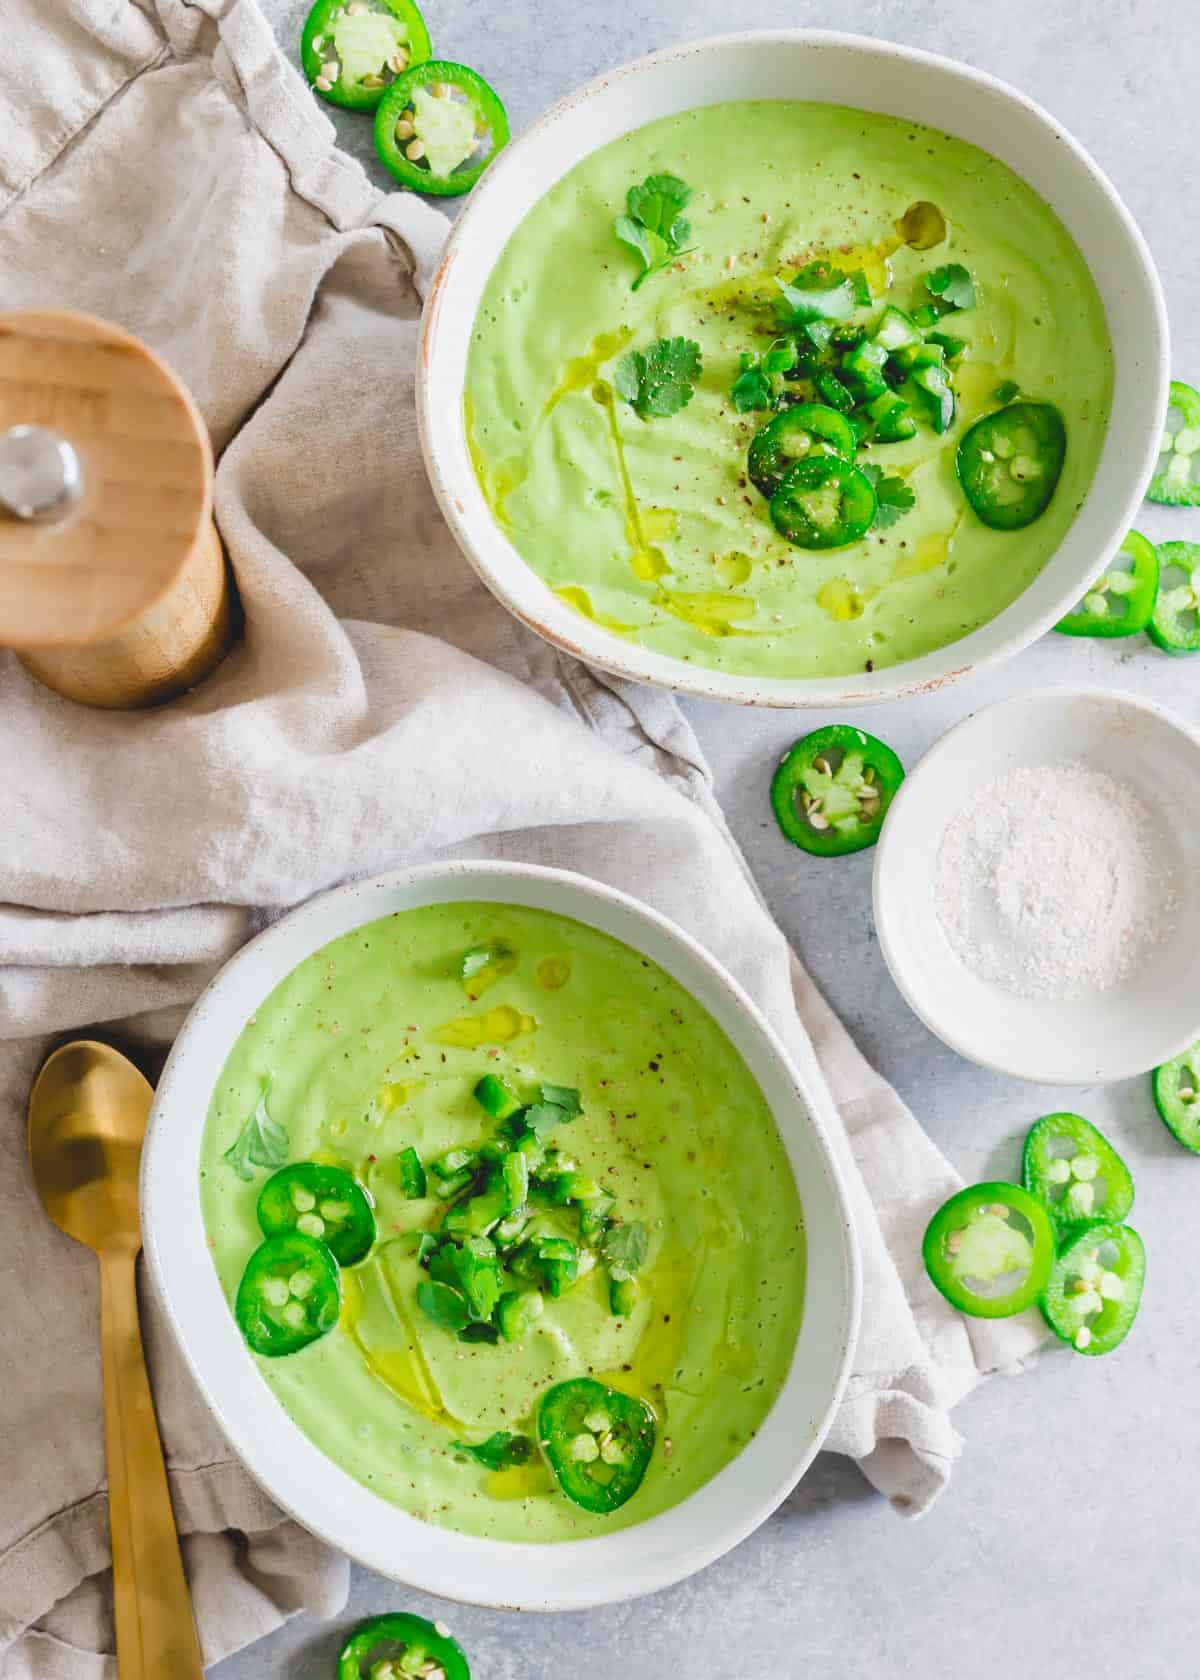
{"type": "Point", "coordinates": [87, 1114]}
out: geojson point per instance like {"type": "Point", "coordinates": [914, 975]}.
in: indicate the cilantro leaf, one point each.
{"type": "Point", "coordinates": [658, 202]}
{"type": "Point", "coordinates": [562, 1096]}
{"type": "Point", "coordinates": [542, 1118]}
{"type": "Point", "coordinates": [752, 389]}
{"type": "Point", "coordinates": [498, 1451]}
{"type": "Point", "coordinates": [953, 285]}
{"type": "Point", "coordinates": [639, 239]}
{"type": "Point", "coordinates": [817, 293]}
{"type": "Point", "coordinates": [477, 1275]}
{"type": "Point", "coordinates": [625, 1248]}
{"type": "Point", "coordinates": [654, 225]}
{"type": "Point", "coordinates": [893, 495]}
{"type": "Point", "coordinates": [445, 1306]}
{"type": "Point", "coordinates": [1006, 391]}
{"type": "Point", "coordinates": [262, 1142]}
{"type": "Point", "coordinates": [658, 382]}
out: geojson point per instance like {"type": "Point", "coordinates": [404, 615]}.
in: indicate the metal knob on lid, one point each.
{"type": "Point", "coordinates": [40, 474]}
{"type": "Point", "coordinates": [113, 586]}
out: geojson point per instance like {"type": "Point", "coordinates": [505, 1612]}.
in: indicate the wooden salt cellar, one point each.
{"type": "Point", "coordinates": [113, 587]}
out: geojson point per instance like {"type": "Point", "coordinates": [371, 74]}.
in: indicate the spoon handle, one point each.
{"type": "Point", "coordinates": [156, 1635]}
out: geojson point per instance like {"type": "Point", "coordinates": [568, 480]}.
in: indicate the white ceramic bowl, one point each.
{"type": "Point", "coordinates": [840, 69]}
{"type": "Point", "coordinates": [324, 1497]}
{"type": "Point", "coordinates": [1114, 1034]}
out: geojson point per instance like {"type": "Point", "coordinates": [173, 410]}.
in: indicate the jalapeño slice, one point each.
{"type": "Point", "coordinates": [823, 503]}
{"type": "Point", "coordinates": [290, 1295]}
{"type": "Point", "coordinates": [1121, 600]}
{"type": "Point", "coordinates": [1176, 1086]}
{"type": "Point", "coordinates": [797, 434]}
{"type": "Point", "coordinates": [1175, 623]}
{"type": "Point", "coordinates": [832, 790]}
{"type": "Point", "coordinates": [597, 1441]}
{"type": "Point", "coordinates": [322, 1202]}
{"type": "Point", "coordinates": [398, 1647]}
{"type": "Point", "coordinates": [1175, 480]}
{"type": "Point", "coordinates": [1009, 463]}
{"type": "Point", "coordinates": [1095, 1287]}
{"type": "Point", "coordinates": [1075, 1171]}
{"type": "Point", "coordinates": [352, 50]}
{"type": "Point", "coordinates": [438, 127]}
{"type": "Point", "coordinates": [989, 1250]}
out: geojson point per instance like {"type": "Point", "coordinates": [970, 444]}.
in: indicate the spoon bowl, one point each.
{"type": "Point", "coordinates": [87, 1117]}
{"type": "Point", "coordinates": [87, 1114]}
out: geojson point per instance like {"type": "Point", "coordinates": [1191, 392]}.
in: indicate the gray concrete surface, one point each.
{"type": "Point", "coordinates": [1063, 1546]}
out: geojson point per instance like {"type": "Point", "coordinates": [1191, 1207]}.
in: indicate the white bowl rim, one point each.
{"type": "Point", "coordinates": [574, 635]}
{"type": "Point", "coordinates": [649, 1567]}
{"type": "Point", "coordinates": [940, 1026]}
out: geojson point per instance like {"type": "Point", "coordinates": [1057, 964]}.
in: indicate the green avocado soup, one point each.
{"type": "Point", "coordinates": [374, 1046]}
{"type": "Point", "coordinates": [649, 526]}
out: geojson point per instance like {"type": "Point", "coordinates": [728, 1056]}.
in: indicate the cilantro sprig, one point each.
{"type": "Point", "coordinates": [894, 497]}
{"type": "Point", "coordinates": [952, 287]}
{"type": "Point", "coordinates": [625, 1249]}
{"type": "Point", "coordinates": [753, 387]}
{"type": "Point", "coordinates": [658, 382]}
{"type": "Point", "coordinates": [499, 1451]}
{"type": "Point", "coordinates": [654, 224]}
{"type": "Point", "coordinates": [262, 1142]}
{"type": "Point", "coordinates": [820, 292]}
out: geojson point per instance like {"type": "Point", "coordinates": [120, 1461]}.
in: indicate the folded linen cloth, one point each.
{"type": "Point", "coordinates": [161, 165]}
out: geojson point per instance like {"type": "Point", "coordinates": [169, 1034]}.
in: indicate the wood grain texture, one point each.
{"type": "Point", "coordinates": [125, 601]}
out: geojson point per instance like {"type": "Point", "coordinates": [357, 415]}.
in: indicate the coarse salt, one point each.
{"type": "Point", "coordinates": [1053, 881]}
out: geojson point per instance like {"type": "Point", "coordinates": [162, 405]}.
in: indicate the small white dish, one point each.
{"type": "Point", "coordinates": [571, 1575]}
{"type": "Point", "coordinates": [1112, 1034]}
{"type": "Point", "coordinates": [831, 68]}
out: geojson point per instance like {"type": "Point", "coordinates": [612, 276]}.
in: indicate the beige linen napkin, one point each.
{"type": "Point", "coordinates": [162, 166]}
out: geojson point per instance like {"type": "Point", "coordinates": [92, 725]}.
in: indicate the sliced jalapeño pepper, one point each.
{"type": "Point", "coordinates": [832, 790]}
{"type": "Point", "coordinates": [896, 330]}
{"type": "Point", "coordinates": [1176, 1088]}
{"type": "Point", "coordinates": [1121, 600]}
{"type": "Point", "coordinates": [597, 1441]}
{"type": "Point", "coordinates": [1075, 1171]}
{"type": "Point", "coordinates": [290, 1295]}
{"type": "Point", "coordinates": [497, 1097]}
{"type": "Point", "coordinates": [801, 433]}
{"type": "Point", "coordinates": [989, 1249]}
{"type": "Point", "coordinates": [1175, 482]}
{"type": "Point", "coordinates": [518, 1311]}
{"type": "Point", "coordinates": [833, 393]}
{"type": "Point", "coordinates": [397, 1647]}
{"type": "Point", "coordinates": [1095, 1286]}
{"type": "Point", "coordinates": [351, 52]}
{"type": "Point", "coordinates": [1009, 463]}
{"type": "Point", "coordinates": [823, 503]}
{"type": "Point", "coordinates": [1175, 623]}
{"type": "Point", "coordinates": [893, 418]}
{"type": "Point", "coordinates": [322, 1202]}
{"type": "Point", "coordinates": [927, 370]}
{"type": "Point", "coordinates": [413, 1180]}
{"type": "Point", "coordinates": [438, 127]}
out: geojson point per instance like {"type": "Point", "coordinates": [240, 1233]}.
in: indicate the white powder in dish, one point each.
{"type": "Point", "coordinates": [1053, 882]}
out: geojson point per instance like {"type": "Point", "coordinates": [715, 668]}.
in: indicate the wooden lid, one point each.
{"type": "Point", "coordinates": [86, 572]}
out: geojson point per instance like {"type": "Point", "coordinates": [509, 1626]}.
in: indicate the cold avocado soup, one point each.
{"type": "Point", "coordinates": [656, 1220]}
{"type": "Point", "coordinates": [779, 233]}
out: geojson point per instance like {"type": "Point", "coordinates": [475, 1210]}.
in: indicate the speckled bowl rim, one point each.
{"type": "Point", "coordinates": [1128, 457]}
{"type": "Point", "coordinates": [309, 1486]}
